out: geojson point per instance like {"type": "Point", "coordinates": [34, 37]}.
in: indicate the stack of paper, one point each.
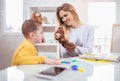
{"type": "Point", "coordinates": [106, 57]}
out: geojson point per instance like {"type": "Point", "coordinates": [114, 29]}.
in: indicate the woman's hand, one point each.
{"type": "Point", "coordinates": [59, 33]}
{"type": "Point", "coordinates": [69, 46]}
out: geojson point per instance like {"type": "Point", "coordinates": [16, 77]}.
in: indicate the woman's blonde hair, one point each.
{"type": "Point", "coordinates": [69, 8]}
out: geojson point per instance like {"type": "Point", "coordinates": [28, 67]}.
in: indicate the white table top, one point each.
{"type": "Point", "coordinates": [93, 71]}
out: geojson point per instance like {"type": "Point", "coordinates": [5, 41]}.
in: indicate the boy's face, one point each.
{"type": "Point", "coordinates": [38, 35]}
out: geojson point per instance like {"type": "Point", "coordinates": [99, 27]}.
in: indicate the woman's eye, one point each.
{"type": "Point", "coordinates": [65, 15]}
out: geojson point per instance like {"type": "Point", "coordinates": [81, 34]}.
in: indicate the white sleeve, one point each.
{"type": "Point", "coordinates": [88, 44]}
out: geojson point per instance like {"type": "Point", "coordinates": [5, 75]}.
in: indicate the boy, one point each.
{"type": "Point", "coordinates": [26, 52]}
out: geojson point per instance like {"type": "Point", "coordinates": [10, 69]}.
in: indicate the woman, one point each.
{"type": "Point", "coordinates": [75, 37]}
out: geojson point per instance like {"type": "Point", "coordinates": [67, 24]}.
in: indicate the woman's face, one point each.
{"type": "Point", "coordinates": [66, 17]}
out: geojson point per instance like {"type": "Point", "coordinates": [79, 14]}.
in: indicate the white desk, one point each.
{"type": "Point", "coordinates": [93, 72]}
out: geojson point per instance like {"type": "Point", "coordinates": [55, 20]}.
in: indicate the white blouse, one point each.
{"type": "Point", "coordinates": [83, 38]}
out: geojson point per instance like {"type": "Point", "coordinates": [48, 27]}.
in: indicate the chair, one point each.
{"type": "Point", "coordinates": [115, 43]}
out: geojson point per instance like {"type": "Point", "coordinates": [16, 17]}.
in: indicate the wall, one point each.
{"type": "Point", "coordinates": [8, 45]}
{"type": "Point", "coordinates": [117, 9]}
{"type": "Point", "coordinates": [118, 12]}
{"type": "Point", "coordinates": [80, 6]}
{"type": "Point", "coordinates": [2, 14]}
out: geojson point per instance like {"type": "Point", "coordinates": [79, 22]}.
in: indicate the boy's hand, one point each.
{"type": "Point", "coordinates": [52, 61]}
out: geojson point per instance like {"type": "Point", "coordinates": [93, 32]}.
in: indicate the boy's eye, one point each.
{"type": "Point", "coordinates": [41, 32]}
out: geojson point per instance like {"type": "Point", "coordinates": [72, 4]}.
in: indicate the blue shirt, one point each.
{"type": "Point", "coordinates": [83, 38]}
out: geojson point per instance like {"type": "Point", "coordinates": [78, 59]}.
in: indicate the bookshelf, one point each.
{"type": "Point", "coordinates": [50, 47]}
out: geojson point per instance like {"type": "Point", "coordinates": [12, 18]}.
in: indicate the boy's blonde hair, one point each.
{"type": "Point", "coordinates": [32, 24]}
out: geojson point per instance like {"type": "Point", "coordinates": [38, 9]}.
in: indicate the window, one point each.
{"type": "Point", "coordinates": [102, 15]}
{"type": "Point", "coordinates": [14, 15]}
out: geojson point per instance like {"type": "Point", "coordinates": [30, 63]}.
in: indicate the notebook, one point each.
{"type": "Point", "coordinates": [105, 57]}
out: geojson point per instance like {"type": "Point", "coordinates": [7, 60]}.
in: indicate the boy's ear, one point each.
{"type": "Point", "coordinates": [31, 35]}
